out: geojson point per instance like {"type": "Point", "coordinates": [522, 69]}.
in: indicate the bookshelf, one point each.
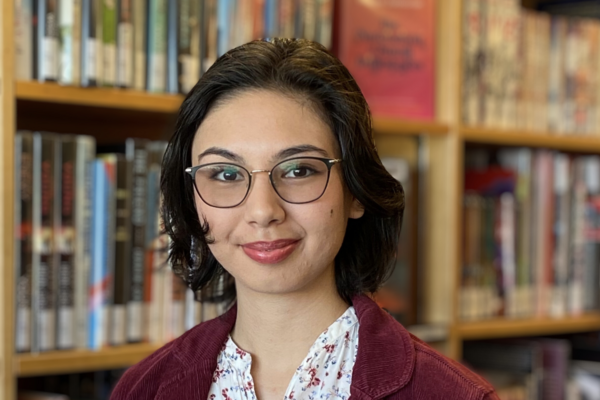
{"type": "Point", "coordinates": [57, 362]}
{"type": "Point", "coordinates": [120, 99]}
{"type": "Point", "coordinates": [506, 328]}
{"type": "Point", "coordinates": [121, 113]}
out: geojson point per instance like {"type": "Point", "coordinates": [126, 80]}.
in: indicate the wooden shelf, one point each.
{"type": "Point", "coordinates": [123, 99]}
{"type": "Point", "coordinates": [531, 139]}
{"type": "Point", "coordinates": [505, 328]}
{"type": "Point", "coordinates": [65, 361]}
{"type": "Point", "coordinates": [394, 126]}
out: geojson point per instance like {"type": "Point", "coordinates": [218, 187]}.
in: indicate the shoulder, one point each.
{"type": "Point", "coordinates": [196, 350]}
{"type": "Point", "coordinates": [435, 373]}
{"type": "Point", "coordinates": [392, 363]}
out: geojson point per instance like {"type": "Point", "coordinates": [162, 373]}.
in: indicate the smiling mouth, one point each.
{"type": "Point", "coordinates": [270, 252]}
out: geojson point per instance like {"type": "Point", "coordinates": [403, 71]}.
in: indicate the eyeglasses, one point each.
{"type": "Point", "coordinates": [297, 180]}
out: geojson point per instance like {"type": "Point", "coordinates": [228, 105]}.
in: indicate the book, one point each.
{"type": "Point", "coordinates": [390, 50]}
{"type": "Point", "coordinates": [24, 206]}
{"type": "Point", "coordinates": [90, 43]}
{"type": "Point", "coordinates": [122, 238]}
{"type": "Point", "coordinates": [109, 42]}
{"type": "Point", "coordinates": [140, 44]}
{"type": "Point", "coordinates": [157, 46]}
{"type": "Point", "coordinates": [99, 272]}
{"type": "Point", "coordinates": [46, 180]}
{"type": "Point", "coordinates": [137, 155]}
{"type": "Point", "coordinates": [70, 42]}
{"type": "Point", "coordinates": [84, 159]}
{"type": "Point", "coordinates": [24, 34]}
{"type": "Point", "coordinates": [48, 37]}
{"type": "Point", "coordinates": [172, 42]}
{"type": "Point", "coordinates": [125, 44]}
{"type": "Point", "coordinates": [65, 307]}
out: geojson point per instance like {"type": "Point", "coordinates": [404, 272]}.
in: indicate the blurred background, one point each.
{"type": "Point", "coordinates": [487, 112]}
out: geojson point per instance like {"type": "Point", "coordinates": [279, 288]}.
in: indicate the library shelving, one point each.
{"type": "Point", "coordinates": [123, 99]}
{"type": "Point", "coordinates": [118, 112]}
{"type": "Point", "coordinates": [506, 328]}
{"type": "Point", "coordinates": [71, 361]}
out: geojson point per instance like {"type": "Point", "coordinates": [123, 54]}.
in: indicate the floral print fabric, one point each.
{"type": "Point", "coordinates": [325, 373]}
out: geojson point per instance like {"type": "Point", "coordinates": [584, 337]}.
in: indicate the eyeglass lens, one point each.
{"type": "Point", "coordinates": [299, 180]}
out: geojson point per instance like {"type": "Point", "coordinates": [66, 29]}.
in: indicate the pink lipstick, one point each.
{"type": "Point", "coordinates": [270, 252]}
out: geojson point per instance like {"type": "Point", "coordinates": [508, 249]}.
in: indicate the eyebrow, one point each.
{"type": "Point", "coordinates": [304, 148]}
{"type": "Point", "coordinates": [285, 153]}
{"type": "Point", "coordinates": [218, 151]}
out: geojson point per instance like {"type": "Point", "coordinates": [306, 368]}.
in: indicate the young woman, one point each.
{"type": "Point", "coordinates": [275, 198]}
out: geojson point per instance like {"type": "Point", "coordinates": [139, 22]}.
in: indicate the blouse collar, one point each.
{"type": "Point", "coordinates": [384, 363]}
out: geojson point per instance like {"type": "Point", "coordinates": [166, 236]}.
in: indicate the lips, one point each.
{"type": "Point", "coordinates": [270, 252]}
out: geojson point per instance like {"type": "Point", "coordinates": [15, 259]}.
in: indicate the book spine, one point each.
{"type": "Point", "coordinates": [560, 261]}
{"type": "Point", "coordinates": [48, 41]}
{"type": "Point", "coordinates": [324, 23]}
{"type": "Point", "coordinates": [223, 26]}
{"type": "Point", "coordinates": [556, 72]}
{"type": "Point", "coordinates": [197, 44]}
{"type": "Point", "coordinates": [23, 243]}
{"type": "Point", "coordinates": [471, 61]}
{"type": "Point", "coordinates": [23, 40]}
{"type": "Point", "coordinates": [173, 23]}
{"type": "Point", "coordinates": [137, 154]}
{"type": "Point", "coordinates": [84, 183]}
{"type": "Point", "coordinates": [110, 164]}
{"type": "Point", "coordinates": [210, 34]}
{"type": "Point", "coordinates": [187, 69]}
{"type": "Point", "coordinates": [46, 249]}
{"type": "Point", "coordinates": [109, 42]}
{"type": "Point", "coordinates": [76, 41]}
{"type": "Point", "coordinates": [66, 24]}
{"type": "Point", "coordinates": [100, 257]}
{"type": "Point", "coordinates": [89, 43]}
{"type": "Point", "coordinates": [125, 44]}
{"type": "Point", "coordinates": [157, 46]}
{"type": "Point", "coordinates": [139, 43]}
{"type": "Point", "coordinates": [66, 242]}
{"type": "Point", "coordinates": [122, 252]}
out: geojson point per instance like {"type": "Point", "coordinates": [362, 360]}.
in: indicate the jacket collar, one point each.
{"type": "Point", "coordinates": [386, 354]}
{"type": "Point", "coordinates": [384, 363]}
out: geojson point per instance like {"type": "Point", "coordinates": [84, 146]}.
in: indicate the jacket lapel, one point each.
{"type": "Point", "coordinates": [386, 354]}
{"type": "Point", "coordinates": [197, 356]}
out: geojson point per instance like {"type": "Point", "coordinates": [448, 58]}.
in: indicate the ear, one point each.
{"type": "Point", "coordinates": [357, 210]}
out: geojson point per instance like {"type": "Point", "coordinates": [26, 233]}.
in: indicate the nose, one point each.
{"type": "Point", "coordinates": [263, 206]}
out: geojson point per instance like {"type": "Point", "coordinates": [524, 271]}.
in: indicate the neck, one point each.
{"type": "Point", "coordinates": [269, 325]}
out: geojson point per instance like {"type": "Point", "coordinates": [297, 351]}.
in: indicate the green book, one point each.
{"type": "Point", "coordinates": [109, 42]}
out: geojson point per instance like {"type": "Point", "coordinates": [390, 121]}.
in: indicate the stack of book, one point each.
{"type": "Point", "coordinates": [531, 235]}
{"type": "Point", "coordinates": [90, 258]}
{"type": "Point", "coordinates": [529, 70]}
{"type": "Point", "coordinates": [154, 45]}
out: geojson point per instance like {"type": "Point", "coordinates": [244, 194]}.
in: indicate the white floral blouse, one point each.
{"type": "Point", "coordinates": [325, 373]}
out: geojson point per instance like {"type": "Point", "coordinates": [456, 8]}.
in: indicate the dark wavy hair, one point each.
{"type": "Point", "coordinates": [299, 68]}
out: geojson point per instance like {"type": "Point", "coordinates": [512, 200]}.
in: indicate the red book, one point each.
{"type": "Point", "coordinates": [389, 48]}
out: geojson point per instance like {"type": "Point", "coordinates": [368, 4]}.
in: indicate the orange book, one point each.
{"type": "Point", "coordinates": [389, 48]}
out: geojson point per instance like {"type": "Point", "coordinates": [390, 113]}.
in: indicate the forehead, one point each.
{"type": "Point", "coordinates": [263, 123]}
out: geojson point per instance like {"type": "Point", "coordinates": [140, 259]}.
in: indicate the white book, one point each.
{"type": "Point", "coordinates": [23, 40]}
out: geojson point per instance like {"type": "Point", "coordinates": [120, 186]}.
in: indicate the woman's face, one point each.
{"type": "Point", "coordinates": [265, 243]}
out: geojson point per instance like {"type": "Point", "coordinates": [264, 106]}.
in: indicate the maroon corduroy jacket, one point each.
{"type": "Point", "coordinates": [390, 364]}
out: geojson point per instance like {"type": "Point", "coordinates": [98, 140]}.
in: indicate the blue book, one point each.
{"type": "Point", "coordinates": [223, 26]}
{"type": "Point", "coordinates": [99, 268]}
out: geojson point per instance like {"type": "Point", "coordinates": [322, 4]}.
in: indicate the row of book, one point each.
{"type": "Point", "coordinates": [531, 234]}
{"type": "Point", "coordinates": [529, 70]}
{"type": "Point", "coordinates": [539, 368]}
{"type": "Point", "coordinates": [90, 261]}
{"type": "Point", "coordinates": [154, 45]}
